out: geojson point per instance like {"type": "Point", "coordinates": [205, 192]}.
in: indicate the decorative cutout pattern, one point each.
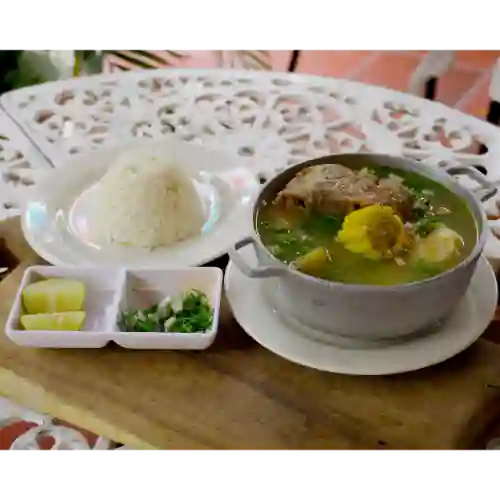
{"type": "Point", "coordinates": [23, 429]}
{"type": "Point", "coordinates": [21, 166]}
{"type": "Point", "coordinates": [272, 119]}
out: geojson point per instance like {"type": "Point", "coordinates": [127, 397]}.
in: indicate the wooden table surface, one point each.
{"type": "Point", "coordinates": [237, 395]}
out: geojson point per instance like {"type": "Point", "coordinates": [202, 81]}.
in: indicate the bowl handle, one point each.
{"type": "Point", "coordinates": [245, 268]}
{"type": "Point", "coordinates": [486, 189]}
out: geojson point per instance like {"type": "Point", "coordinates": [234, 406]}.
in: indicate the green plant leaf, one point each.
{"type": "Point", "coordinates": [143, 59]}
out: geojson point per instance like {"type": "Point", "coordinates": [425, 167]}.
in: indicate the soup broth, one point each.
{"type": "Point", "coordinates": [320, 240]}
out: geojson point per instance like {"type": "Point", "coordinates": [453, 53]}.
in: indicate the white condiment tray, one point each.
{"type": "Point", "coordinates": [108, 292]}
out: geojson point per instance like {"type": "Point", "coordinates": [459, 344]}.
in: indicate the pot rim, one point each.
{"type": "Point", "coordinates": [432, 173]}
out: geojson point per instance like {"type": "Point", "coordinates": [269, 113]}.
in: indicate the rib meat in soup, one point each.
{"type": "Point", "coordinates": [378, 226]}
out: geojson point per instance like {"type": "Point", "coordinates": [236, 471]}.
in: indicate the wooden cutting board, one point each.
{"type": "Point", "coordinates": [238, 395]}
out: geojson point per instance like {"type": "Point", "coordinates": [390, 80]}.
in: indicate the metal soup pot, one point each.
{"type": "Point", "coordinates": [369, 312]}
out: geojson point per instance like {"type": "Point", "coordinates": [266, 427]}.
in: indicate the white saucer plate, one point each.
{"type": "Point", "coordinates": [55, 219]}
{"type": "Point", "coordinates": [255, 312]}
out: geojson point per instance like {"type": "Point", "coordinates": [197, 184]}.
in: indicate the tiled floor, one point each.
{"type": "Point", "coordinates": [465, 86]}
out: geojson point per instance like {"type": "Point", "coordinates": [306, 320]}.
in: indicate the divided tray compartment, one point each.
{"type": "Point", "coordinates": [112, 290]}
{"type": "Point", "coordinates": [103, 290]}
{"type": "Point", "coordinates": [144, 288]}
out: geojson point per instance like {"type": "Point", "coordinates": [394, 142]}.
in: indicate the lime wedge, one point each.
{"type": "Point", "coordinates": [53, 295]}
{"type": "Point", "coordinates": [71, 321]}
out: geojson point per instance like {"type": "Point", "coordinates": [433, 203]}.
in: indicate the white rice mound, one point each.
{"type": "Point", "coordinates": [144, 201]}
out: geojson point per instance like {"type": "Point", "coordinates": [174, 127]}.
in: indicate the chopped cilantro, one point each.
{"type": "Point", "coordinates": [426, 225]}
{"type": "Point", "coordinates": [189, 313]}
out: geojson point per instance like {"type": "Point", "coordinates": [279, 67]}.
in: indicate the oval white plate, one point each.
{"type": "Point", "coordinates": [254, 311]}
{"type": "Point", "coordinates": [55, 220]}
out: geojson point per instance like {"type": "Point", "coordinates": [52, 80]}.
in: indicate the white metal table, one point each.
{"type": "Point", "coordinates": [273, 120]}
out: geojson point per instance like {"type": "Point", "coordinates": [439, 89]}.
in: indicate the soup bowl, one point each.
{"type": "Point", "coordinates": [369, 312]}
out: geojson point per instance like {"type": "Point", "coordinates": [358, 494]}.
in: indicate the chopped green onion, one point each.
{"type": "Point", "coordinates": [187, 313]}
